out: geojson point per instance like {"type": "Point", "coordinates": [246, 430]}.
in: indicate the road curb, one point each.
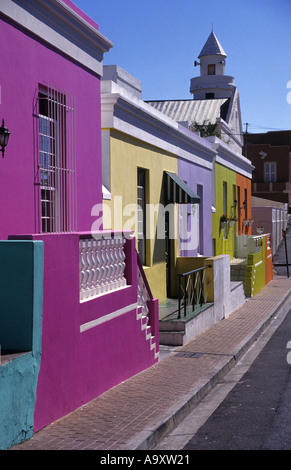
{"type": "Point", "coordinates": [147, 439]}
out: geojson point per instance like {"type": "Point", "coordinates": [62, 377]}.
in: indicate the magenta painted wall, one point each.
{"type": "Point", "coordinates": [75, 366]}
{"type": "Point", "coordinates": [79, 366]}
{"type": "Point", "coordinates": [27, 63]}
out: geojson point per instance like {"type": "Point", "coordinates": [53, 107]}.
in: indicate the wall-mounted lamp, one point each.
{"type": "Point", "coordinates": [4, 137]}
{"type": "Point", "coordinates": [234, 206]}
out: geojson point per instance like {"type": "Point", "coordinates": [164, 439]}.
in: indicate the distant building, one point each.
{"type": "Point", "coordinates": [272, 217]}
{"type": "Point", "coordinates": [270, 153]}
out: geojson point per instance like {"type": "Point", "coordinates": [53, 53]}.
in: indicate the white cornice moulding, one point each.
{"type": "Point", "coordinates": [61, 27]}
{"type": "Point", "coordinates": [236, 162]}
{"type": "Point", "coordinates": [211, 148]}
{"type": "Point", "coordinates": [141, 114]}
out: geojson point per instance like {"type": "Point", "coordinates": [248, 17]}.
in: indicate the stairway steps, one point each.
{"type": "Point", "coordinates": [143, 319]}
{"type": "Point", "coordinates": [238, 272]}
{"type": "Point", "coordinates": [172, 338]}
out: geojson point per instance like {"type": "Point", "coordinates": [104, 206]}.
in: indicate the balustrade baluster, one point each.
{"type": "Point", "coordinates": [85, 269]}
{"type": "Point", "coordinates": [90, 268]}
{"type": "Point", "coordinates": [102, 265]}
{"type": "Point", "coordinates": [123, 280]}
{"type": "Point", "coordinates": [112, 261]}
{"type": "Point", "coordinates": [82, 269]}
{"type": "Point", "coordinates": [115, 257]}
{"type": "Point", "coordinates": [99, 267]}
{"type": "Point", "coordinates": [94, 260]}
{"type": "Point", "coordinates": [119, 258]}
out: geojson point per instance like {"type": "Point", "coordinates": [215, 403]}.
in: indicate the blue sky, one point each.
{"type": "Point", "coordinates": [157, 41]}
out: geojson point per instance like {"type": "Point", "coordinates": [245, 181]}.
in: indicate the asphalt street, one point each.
{"type": "Point", "coordinates": [250, 407]}
{"type": "Point", "coordinates": [256, 414]}
{"type": "Point", "coordinates": [206, 426]}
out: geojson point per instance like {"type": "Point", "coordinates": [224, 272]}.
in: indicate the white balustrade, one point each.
{"type": "Point", "coordinates": [269, 242]}
{"type": "Point", "coordinates": [255, 243]}
{"type": "Point", "coordinates": [101, 265]}
{"type": "Point", "coordinates": [142, 294]}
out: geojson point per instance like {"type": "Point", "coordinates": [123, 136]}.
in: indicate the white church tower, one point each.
{"type": "Point", "coordinates": [215, 98]}
{"type": "Point", "coordinates": [212, 82]}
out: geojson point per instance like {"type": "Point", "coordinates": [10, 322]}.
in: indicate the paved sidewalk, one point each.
{"type": "Point", "coordinates": [136, 413]}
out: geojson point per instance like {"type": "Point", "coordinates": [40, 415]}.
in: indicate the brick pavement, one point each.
{"type": "Point", "coordinates": [134, 414]}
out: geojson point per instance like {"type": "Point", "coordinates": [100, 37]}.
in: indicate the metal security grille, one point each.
{"type": "Point", "coordinates": [56, 165]}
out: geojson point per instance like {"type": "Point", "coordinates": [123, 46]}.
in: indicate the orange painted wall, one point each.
{"type": "Point", "coordinates": [243, 184]}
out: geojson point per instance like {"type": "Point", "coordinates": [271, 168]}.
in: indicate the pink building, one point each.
{"type": "Point", "coordinates": [99, 319]}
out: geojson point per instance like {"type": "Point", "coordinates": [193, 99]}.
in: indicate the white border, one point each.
{"type": "Point", "coordinates": [110, 316]}
{"type": "Point", "coordinates": [64, 29]}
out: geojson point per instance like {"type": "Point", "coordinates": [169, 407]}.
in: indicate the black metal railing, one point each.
{"type": "Point", "coordinates": [192, 291]}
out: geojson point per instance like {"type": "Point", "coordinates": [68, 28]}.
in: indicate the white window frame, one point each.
{"type": "Point", "coordinates": [270, 172]}
{"type": "Point", "coordinates": [48, 143]}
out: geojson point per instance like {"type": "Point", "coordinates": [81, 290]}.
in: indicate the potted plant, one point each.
{"type": "Point", "coordinates": [232, 220]}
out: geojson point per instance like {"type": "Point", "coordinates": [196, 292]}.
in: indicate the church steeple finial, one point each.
{"type": "Point", "coordinates": [212, 46]}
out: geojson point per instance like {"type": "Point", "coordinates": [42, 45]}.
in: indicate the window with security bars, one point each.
{"type": "Point", "coordinates": [56, 161]}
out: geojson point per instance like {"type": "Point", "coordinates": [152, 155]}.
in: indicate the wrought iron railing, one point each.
{"type": "Point", "coordinates": [192, 292]}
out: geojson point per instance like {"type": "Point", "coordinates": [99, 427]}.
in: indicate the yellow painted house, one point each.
{"type": "Point", "coordinates": [225, 194]}
{"type": "Point", "coordinates": [140, 151]}
{"type": "Point", "coordinates": [232, 198]}
{"type": "Point", "coordinates": [138, 176]}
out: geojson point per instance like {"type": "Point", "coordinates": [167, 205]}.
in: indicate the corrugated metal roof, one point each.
{"type": "Point", "coordinates": [191, 110]}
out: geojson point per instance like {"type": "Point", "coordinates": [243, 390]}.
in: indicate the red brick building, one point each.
{"type": "Point", "coordinates": [270, 153]}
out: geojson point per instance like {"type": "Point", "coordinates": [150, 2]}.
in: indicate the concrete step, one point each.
{"type": "Point", "coordinates": [171, 338]}
{"type": "Point", "coordinates": [171, 325]}
{"type": "Point", "coordinates": [238, 272]}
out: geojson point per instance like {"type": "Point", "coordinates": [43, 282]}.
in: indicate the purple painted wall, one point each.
{"type": "Point", "coordinates": [76, 366]}
{"type": "Point", "coordinates": [27, 63]}
{"type": "Point", "coordinates": [200, 179]}
{"type": "Point", "coordinates": [79, 366]}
